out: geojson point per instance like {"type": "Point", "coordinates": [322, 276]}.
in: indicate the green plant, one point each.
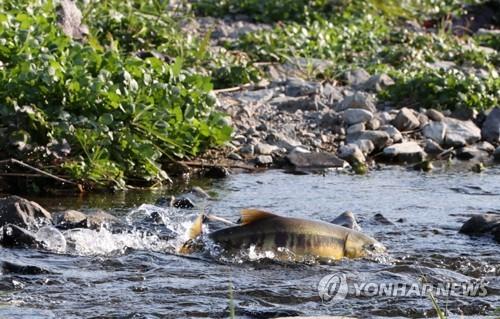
{"type": "Point", "coordinates": [122, 116]}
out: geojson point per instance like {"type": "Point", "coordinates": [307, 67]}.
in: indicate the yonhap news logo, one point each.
{"type": "Point", "coordinates": [335, 287]}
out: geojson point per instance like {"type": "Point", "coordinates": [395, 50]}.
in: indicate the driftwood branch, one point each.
{"type": "Point", "coordinates": [39, 171]}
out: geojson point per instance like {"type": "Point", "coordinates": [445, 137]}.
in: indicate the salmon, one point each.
{"type": "Point", "coordinates": [290, 238]}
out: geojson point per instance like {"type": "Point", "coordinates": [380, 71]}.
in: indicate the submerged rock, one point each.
{"type": "Point", "coordinates": [348, 220]}
{"type": "Point", "coordinates": [482, 224]}
{"type": "Point", "coordinates": [16, 210]}
{"type": "Point", "coordinates": [15, 236]}
{"type": "Point", "coordinates": [21, 269]}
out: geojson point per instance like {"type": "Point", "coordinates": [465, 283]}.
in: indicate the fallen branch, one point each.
{"type": "Point", "coordinates": [234, 89]}
{"type": "Point", "coordinates": [39, 171]}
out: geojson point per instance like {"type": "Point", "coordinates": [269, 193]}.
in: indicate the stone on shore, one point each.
{"type": "Point", "coordinates": [351, 153]}
{"type": "Point", "coordinates": [18, 211]}
{"type": "Point", "coordinates": [378, 82]}
{"type": "Point", "coordinates": [435, 131]}
{"type": "Point", "coordinates": [299, 87]}
{"type": "Point", "coordinates": [434, 115]}
{"type": "Point", "coordinates": [366, 146]}
{"type": "Point", "coordinates": [460, 133]}
{"type": "Point", "coordinates": [264, 160]}
{"type": "Point", "coordinates": [480, 151]}
{"type": "Point", "coordinates": [357, 77]}
{"type": "Point", "coordinates": [393, 132]}
{"type": "Point", "coordinates": [432, 147]}
{"type": "Point", "coordinates": [265, 149]}
{"type": "Point", "coordinates": [409, 152]}
{"type": "Point", "coordinates": [358, 100]}
{"type": "Point", "coordinates": [491, 127]}
{"type": "Point", "coordinates": [282, 141]}
{"type": "Point", "coordinates": [378, 138]}
{"type": "Point", "coordinates": [314, 160]}
{"type": "Point", "coordinates": [355, 128]}
{"type": "Point", "coordinates": [406, 120]}
{"type": "Point", "coordinates": [355, 116]}
{"type": "Point", "coordinates": [496, 154]}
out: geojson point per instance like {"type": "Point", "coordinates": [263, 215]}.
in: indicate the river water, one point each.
{"type": "Point", "coordinates": [135, 273]}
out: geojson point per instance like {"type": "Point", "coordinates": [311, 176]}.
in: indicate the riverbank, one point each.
{"type": "Point", "coordinates": [229, 86]}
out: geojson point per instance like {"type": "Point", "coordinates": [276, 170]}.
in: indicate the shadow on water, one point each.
{"type": "Point", "coordinates": [135, 273]}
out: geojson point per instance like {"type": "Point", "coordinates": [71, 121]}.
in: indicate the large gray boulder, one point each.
{"type": "Point", "coordinates": [435, 131]}
{"type": "Point", "coordinates": [491, 127]}
{"type": "Point", "coordinates": [393, 132]}
{"type": "Point", "coordinates": [460, 133]}
{"type": "Point", "coordinates": [351, 153]}
{"type": "Point", "coordinates": [18, 211]}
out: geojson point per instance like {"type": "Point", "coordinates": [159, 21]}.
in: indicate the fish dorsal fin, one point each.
{"type": "Point", "coordinates": [251, 215]}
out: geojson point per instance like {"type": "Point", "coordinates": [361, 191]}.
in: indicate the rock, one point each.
{"type": "Point", "coordinates": [216, 172]}
{"type": "Point", "coordinates": [330, 119]}
{"type": "Point", "coordinates": [357, 77]}
{"type": "Point", "coordinates": [199, 192]}
{"type": "Point", "coordinates": [332, 94]}
{"type": "Point", "coordinates": [351, 153]}
{"type": "Point", "coordinates": [378, 82]}
{"type": "Point", "coordinates": [393, 132]}
{"type": "Point", "coordinates": [358, 100]}
{"type": "Point", "coordinates": [406, 120]}
{"type": "Point", "coordinates": [355, 128]}
{"type": "Point", "coordinates": [488, 223]}
{"type": "Point", "coordinates": [15, 236]}
{"type": "Point", "coordinates": [461, 133]}
{"type": "Point", "coordinates": [355, 116]}
{"type": "Point", "coordinates": [70, 219]}
{"type": "Point", "coordinates": [300, 64]}
{"type": "Point", "coordinates": [98, 218]}
{"type": "Point", "coordinates": [234, 156]}
{"type": "Point", "coordinates": [381, 219]}
{"type": "Point", "coordinates": [263, 160]}
{"type": "Point", "coordinates": [435, 115]}
{"type": "Point", "coordinates": [348, 220]}
{"type": "Point", "coordinates": [405, 152]}
{"type": "Point", "coordinates": [386, 118]}
{"type": "Point", "coordinates": [464, 114]}
{"type": "Point", "coordinates": [183, 202]}
{"type": "Point", "coordinates": [366, 146]}
{"type": "Point", "coordinates": [373, 124]}
{"type": "Point", "coordinates": [422, 119]}
{"type": "Point", "coordinates": [496, 154]}
{"type": "Point", "coordinates": [292, 104]}
{"type": "Point", "coordinates": [22, 212]}
{"type": "Point", "coordinates": [70, 20]}
{"type": "Point", "coordinates": [432, 147]}
{"type": "Point", "coordinates": [442, 65]}
{"type": "Point", "coordinates": [480, 151]}
{"type": "Point", "coordinates": [248, 149]}
{"type": "Point", "coordinates": [21, 269]}
{"type": "Point", "coordinates": [265, 149]}
{"type": "Point", "coordinates": [314, 160]}
{"type": "Point", "coordinates": [51, 239]}
{"type": "Point", "coordinates": [299, 87]}
{"type": "Point", "coordinates": [378, 138]}
{"type": "Point", "coordinates": [435, 131]}
{"type": "Point", "coordinates": [282, 141]}
{"type": "Point", "coordinates": [491, 127]}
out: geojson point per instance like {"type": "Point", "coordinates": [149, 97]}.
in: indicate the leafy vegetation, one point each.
{"type": "Point", "coordinates": [95, 108]}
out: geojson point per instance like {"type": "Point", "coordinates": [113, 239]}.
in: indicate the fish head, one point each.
{"type": "Point", "coordinates": [360, 245]}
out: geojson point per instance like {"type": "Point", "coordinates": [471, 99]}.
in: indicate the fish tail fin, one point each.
{"type": "Point", "coordinates": [193, 232]}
